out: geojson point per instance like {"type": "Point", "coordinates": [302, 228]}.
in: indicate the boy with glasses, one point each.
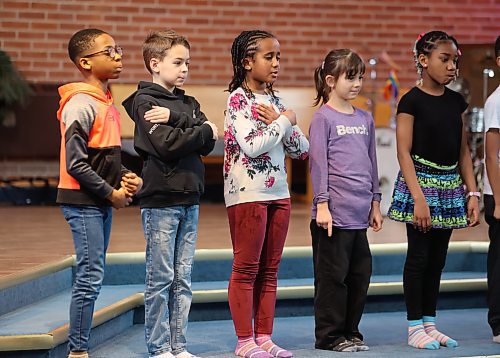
{"type": "Point", "coordinates": [92, 179]}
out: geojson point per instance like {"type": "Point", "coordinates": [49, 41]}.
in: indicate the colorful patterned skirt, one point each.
{"type": "Point", "coordinates": [443, 190]}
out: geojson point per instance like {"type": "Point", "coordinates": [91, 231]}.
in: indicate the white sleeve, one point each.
{"type": "Point", "coordinates": [253, 140]}
{"type": "Point", "coordinates": [492, 111]}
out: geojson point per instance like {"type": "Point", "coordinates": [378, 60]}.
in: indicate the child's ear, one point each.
{"type": "Point", "coordinates": [330, 81]}
{"type": "Point", "coordinates": [247, 64]}
{"type": "Point", "coordinates": [153, 64]}
{"type": "Point", "coordinates": [423, 60]}
{"type": "Point", "coordinates": [85, 63]}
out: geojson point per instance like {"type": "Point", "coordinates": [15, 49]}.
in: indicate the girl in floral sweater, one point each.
{"type": "Point", "coordinates": [258, 132]}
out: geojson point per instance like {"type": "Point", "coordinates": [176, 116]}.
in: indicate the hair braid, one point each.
{"type": "Point", "coordinates": [429, 41]}
{"type": "Point", "coordinates": [245, 46]}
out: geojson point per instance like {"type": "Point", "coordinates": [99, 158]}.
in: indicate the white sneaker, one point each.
{"type": "Point", "coordinates": [186, 354]}
{"type": "Point", "coordinates": [165, 355]}
{"type": "Point", "coordinates": [496, 339]}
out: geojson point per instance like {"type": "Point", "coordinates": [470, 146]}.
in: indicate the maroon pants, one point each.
{"type": "Point", "coordinates": [258, 233]}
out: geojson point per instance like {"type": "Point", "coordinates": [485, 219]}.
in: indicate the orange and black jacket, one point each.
{"type": "Point", "coordinates": [90, 160]}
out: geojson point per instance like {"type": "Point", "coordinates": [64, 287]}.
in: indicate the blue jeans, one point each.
{"type": "Point", "coordinates": [90, 227]}
{"type": "Point", "coordinates": [171, 234]}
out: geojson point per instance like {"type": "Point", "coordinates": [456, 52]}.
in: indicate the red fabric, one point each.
{"type": "Point", "coordinates": [258, 233]}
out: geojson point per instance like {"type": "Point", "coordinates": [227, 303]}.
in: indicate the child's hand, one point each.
{"type": "Point", "coordinates": [376, 219]}
{"type": "Point", "coordinates": [157, 115]}
{"type": "Point", "coordinates": [292, 117]}
{"type": "Point", "coordinates": [131, 183]}
{"type": "Point", "coordinates": [421, 215]}
{"type": "Point", "coordinates": [324, 218]}
{"type": "Point", "coordinates": [496, 212]}
{"type": "Point", "coordinates": [119, 199]}
{"type": "Point", "coordinates": [267, 114]}
{"type": "Point", "coordinates": [215, 131]}
{"type": "Point", "coordinates": [473, 210]}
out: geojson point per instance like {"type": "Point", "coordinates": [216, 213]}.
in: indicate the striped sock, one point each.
{"type": "Point", "coordinates": [247, 348]}
{"type": "Point", "coordinates": [418, 338]}
{"type": "Point", "coordinates": [430, 329]}
{"type": "Point", "coordinates": [265, 342]}
{"type": "Point", "coordinates": [78, 355]}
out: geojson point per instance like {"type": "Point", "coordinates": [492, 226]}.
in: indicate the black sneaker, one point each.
{"type": "Point", "coordinates": [345, 346]}
{"type": "Point", "coordinates": [360, 345]}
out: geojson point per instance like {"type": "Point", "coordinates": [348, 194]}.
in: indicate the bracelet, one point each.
{"type": "Point", "coordinates": [473, 193]}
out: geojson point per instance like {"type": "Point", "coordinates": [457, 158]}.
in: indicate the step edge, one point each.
{"type": "Point", "coordinates": [375, 289]}
{"type": "Point", "coordinates": [26, 342]}
{"type": "Point", "coordinates": [284, 282]}
{"type": "Point", "coordinates": [101, 316]}
{"type": "Point", "coordinates": [59, 335]}
{"type": "Point", "coordinates": [215, 254]}
{"type": "Point", "coordinates": [298, 251]}
{"type": "Point", "coordinates": [30, 274]}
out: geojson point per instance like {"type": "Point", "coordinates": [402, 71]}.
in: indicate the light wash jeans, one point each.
{"type": "Point", "coordinates": [90, 227]}
{"type": "Point", "coordinates": [171, 234]}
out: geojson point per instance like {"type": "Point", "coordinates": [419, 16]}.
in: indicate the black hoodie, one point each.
{"type": "Point", "coordinates": [173, 172]}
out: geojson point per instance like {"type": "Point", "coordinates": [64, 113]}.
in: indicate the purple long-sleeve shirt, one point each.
{"type": "Point", "coordinates": [343, 165]}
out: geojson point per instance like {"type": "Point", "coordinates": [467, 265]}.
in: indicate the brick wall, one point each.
{"type": "Point", "coordinates": [35, 33]}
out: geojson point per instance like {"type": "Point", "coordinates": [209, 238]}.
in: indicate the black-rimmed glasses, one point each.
{"type": "Point", "coordinates": [110, 51]}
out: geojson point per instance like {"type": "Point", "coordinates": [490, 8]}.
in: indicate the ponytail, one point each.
{"type": "Point", "coordinates": [321, 87]}
{"type": "Point", "coordinates": [335, 64]}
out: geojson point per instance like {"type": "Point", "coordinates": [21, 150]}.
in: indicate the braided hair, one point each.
{"type": "Point", "coordinates": [428, 42]}
{"type": "Point", "coordinates": [335, 64]}
{"type": "Point", "coordinates": [245, 46]}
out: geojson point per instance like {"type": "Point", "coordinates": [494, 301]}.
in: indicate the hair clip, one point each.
{"type": "Point", "coordinates": [459, 53]}
{"type": "Point", "coordinates": [323, 65]}
{"type": "Point", "coordinates": [420, 36]}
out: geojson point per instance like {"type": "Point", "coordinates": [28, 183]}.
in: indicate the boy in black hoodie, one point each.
{"type": "Point", "coordinates": [170, 135]}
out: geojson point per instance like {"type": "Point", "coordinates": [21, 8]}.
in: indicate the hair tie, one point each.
{"type": "Point", "coordinates": [323, 65]}
{"type": "Point", "coordinates": [420, 36]}
{"type": "Point", "coordinates": [459, 53]}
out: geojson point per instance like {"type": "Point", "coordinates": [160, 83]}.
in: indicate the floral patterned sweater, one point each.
{"type": "Point", "coordinates": [254, 153]}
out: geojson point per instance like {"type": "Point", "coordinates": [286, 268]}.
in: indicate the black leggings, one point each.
{"type": "Point", "coordinates": [425, 260]}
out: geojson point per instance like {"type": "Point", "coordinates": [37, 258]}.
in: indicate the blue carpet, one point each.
{"type": "Point", "coordinates": [53, 312]}
{"type": "Point", "coordinates": [384, 332]}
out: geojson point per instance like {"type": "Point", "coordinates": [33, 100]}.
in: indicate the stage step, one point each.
{"type": "Point", "coordinates": [217, 338]}
{"type": "Point", "coordinates": [34, 321]}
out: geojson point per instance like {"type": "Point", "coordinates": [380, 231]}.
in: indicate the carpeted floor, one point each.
{"type": "Point", "coordinates": [384, 332]}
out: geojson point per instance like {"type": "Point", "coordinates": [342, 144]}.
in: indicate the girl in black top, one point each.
{"type": "Point", "coordinates": [429, 193]}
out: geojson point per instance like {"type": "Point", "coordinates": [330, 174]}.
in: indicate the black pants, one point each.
{"type": "Point", "coordinates": [425, 260]}
{"type": "Point", "coordinates": [342, 270]}
{"type": "Point", "coordinates": [493, 265]}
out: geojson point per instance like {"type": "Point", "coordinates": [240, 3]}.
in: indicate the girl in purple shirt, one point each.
{"type": "Point", "coordinates": [346, 201]}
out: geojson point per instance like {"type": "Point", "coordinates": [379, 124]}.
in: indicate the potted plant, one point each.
{"type": "Point", "coordinates": [14, 91]}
